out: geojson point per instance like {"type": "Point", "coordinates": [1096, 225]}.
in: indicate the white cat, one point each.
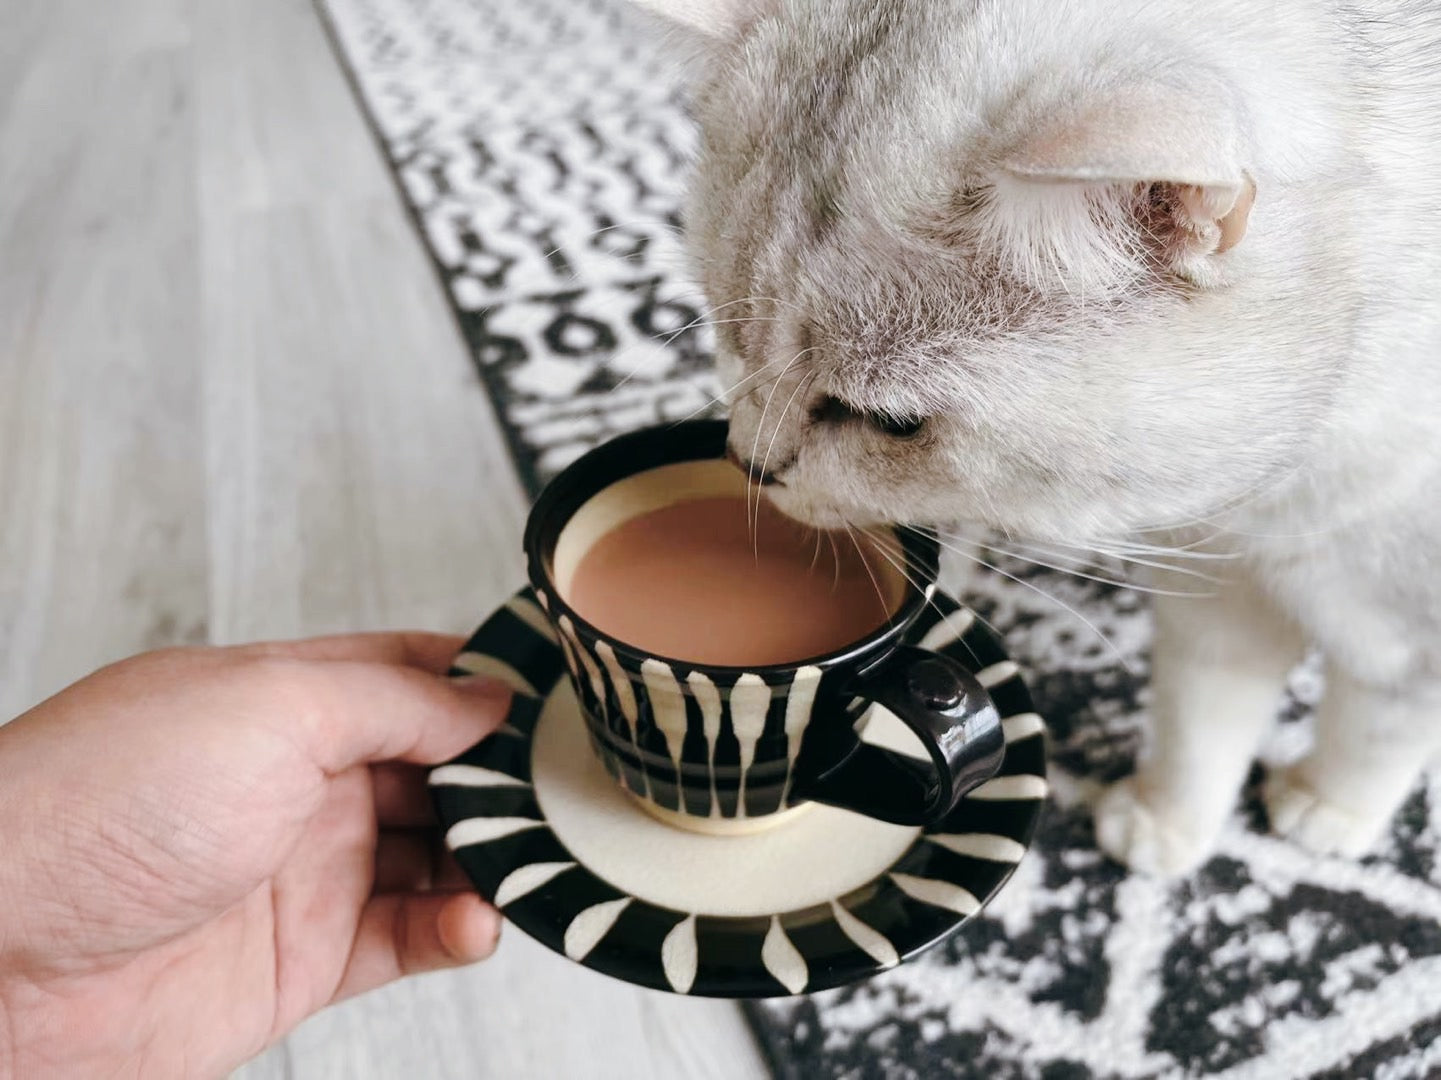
{"type": "Point", "coordinates": [997, 261]}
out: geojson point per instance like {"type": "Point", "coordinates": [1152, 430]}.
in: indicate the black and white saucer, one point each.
{"type": "Point", "coordinates": [823, 899]}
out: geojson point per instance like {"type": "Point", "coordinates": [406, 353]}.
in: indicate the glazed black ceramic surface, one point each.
{"type": "Point", "coordinates": [495, 824]}
{"type": "Point", "coordinates": [720, 745]}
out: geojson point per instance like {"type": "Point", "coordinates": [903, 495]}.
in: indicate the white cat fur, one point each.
{"type": "Point", "coordinates": [1004, 218]}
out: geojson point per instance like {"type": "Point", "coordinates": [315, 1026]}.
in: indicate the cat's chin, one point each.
{"type": "Point", "coordinates": [820, 515]}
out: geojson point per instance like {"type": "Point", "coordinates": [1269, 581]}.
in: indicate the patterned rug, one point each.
{"type": "Point", "coordinates": [542, 147]}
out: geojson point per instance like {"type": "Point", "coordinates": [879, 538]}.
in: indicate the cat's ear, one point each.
{"type": "Point", "coordinates": [1179, 150]}
{"type": "Point", "coordinates": [715, 18]}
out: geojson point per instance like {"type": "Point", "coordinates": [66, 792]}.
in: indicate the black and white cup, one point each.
{"type": "Point", "coordinates": [727, 750]}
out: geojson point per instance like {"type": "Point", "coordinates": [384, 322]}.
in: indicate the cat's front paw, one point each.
{"type": "Point", "coordinates": [1301, 813]}
{"type": "Point", "coordinates": [1146, 838]}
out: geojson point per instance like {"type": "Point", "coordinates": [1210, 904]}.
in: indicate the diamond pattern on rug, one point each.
{"type": "Point", "coordinates": [543, 148]}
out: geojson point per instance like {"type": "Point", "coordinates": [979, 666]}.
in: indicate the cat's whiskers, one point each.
{"type": "Point", "coordinates": [1169, 556]}
{"type": "Point", "coordinates": [1086, 554]}
{"type": "Point", "coordinates": [1077, 560]}
{"type": "Point", "coordinates": [765, 461]}
{"type": "Point", "coordinates": [720, 398]}
{"type": "Point", "coordinates": [801, 386]}
{"type": "Point", "coordinates": [805, 382]}
{"type": "Point", "coordinates": [1122, 584]}
{"type": "Point", "coordinates": [633, 258]}
{"type": "Point", "coordinates": [707, 322]}
{"type": "Point", "coordinates": [719, 308]}
{"type": "Point", "coordinates": [896, 558]}
{"type": "Point", "coordinates": [669, 339]}
{"type": "Point", "coordinates": [703, 319]}
{"type": "Point", "coordinates": [1309, 535]}
{"type": "Point", "coordinates": [655, 224]}
{"type": "Point", "coordinates": [756, 444]}
{"type": "Point", "coordinates": [693, 290]}
{"type": "Point", "coordinates": [1231, 530]}
{"type": "Point", "coordinates": [1042, 592]}
{"type": "Point", "coordinates": [880, 594]}
{"type": "Point", "coordinates": [1123, 549]}
{"type": "Point", "coordinates": [1083, 555]}
{"type": "Point", "coordinates": [1242, 499]}
{"type": "Point", "coordinates": [1193, 549]}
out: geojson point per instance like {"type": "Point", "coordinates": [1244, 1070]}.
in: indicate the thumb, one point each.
{"type": "Point", "coordinates": [365, 712]}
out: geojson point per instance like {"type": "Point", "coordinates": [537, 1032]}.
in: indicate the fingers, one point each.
{"type": "Point", "coordinates": [380, 698]}
{"type": "Point", "coordinates": [447, 873]}
{"type": "Point", "coordinates": [406, 934]}
{"type": "Point", "coordinates": [404, 861]}
{"type": "Point", "coordinates": [367, 712]}
{"type": "Point", "coordinates": [402, 796]}
{"type": "Point", "coordinates": [413, 860]}
{"type": "Point", "coordinates": [410, 852]}
{"type": "Point", "coordinates": [417, 649]}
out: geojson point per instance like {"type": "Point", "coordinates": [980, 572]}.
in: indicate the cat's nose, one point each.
{"type": "Point", "coordinates": [756, 475]}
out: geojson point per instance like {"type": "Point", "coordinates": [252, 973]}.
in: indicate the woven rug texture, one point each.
{"type": "Point", "coordinates": [543, 148]}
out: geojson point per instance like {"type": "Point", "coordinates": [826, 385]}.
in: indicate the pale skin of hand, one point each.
{"type": "Point", "coordinates": [202, 847]}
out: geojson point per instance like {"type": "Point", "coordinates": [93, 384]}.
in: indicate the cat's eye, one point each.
{"type": "Point", "coordinates": [833, 410]}
{"type": "Point", "coordinates": [897, 427]}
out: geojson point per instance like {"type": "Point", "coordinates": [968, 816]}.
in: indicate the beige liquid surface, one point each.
{"type": "Point", "coordinates": [694, 581]}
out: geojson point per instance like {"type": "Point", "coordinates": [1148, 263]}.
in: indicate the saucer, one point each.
{"type": "Point", "coordinates": [824, 898]}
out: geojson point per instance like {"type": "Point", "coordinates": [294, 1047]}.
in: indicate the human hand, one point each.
{"type": "Point", "coordinates": [201, 847]}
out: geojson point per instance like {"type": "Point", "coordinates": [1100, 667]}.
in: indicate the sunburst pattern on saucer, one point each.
{"type": "Point", "coordinates": [822, 900]}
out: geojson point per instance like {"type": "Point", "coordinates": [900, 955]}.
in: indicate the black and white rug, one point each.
{"type": "Point", "coordinates": [542, 146]}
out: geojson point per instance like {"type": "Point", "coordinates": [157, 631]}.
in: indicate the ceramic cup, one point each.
{"type": "Point", "coordinates": [725, 749]}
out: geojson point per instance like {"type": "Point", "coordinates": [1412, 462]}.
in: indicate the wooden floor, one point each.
{"type": "Point", "coordinates": [233, 405]}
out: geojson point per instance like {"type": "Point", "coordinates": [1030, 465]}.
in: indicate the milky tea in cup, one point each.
{"type": "Point", "coordinates": [768, 590]}
{"type": "Point", "coordinates": [724, 656]}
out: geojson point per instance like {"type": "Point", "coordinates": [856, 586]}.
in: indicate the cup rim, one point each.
{"type": "Point", "coordinates": [920, 546]}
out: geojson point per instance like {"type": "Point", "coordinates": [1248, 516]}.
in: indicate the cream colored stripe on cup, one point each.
{"type": "Point", "coordinates": [625, 695]}
{"type": "Point", "coordinates": [799, 703]}
{"type": "Point", "coordinates": [592, 673]}
{"type": "Point", "coordinates": [620, 683]}
{"type": "Point", "coordinates": [572, 660]}
{"type": "Point", "coordinates": [750, 699]}
{"type": "Point", "coordinates": [667, 704]}
{"type": "Point", "coordinates": [709, 700]}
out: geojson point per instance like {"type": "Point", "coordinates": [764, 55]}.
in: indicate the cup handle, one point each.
{"type": "Point", "coordinates": [951, 714]}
